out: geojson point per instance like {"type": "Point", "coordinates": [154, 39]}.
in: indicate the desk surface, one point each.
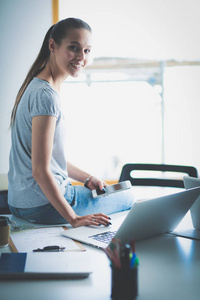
{"type": "Point", "coordinates": [169, 269]}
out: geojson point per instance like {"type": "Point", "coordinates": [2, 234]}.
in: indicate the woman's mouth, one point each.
{"type": "Point", "coordinates": [77, 66]}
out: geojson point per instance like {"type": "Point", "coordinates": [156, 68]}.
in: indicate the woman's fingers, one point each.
{"type": "Point", "coordinates": [95, 183]}
{"type": "Point", "coordinates": [100, 219]}
{"type": "Point", "coordinates": [93, 219]}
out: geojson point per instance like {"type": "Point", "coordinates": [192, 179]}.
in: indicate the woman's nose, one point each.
{"type": "Point", "coordinates": [81, 55]}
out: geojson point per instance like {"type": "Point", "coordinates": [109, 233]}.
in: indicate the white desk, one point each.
{"type": "Point", "coordinates": [169, 269]}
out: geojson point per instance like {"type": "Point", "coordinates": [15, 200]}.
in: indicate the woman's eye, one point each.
{"type": "Point", "coordinates": [77, 49]}
{"type": "Point", "coordinates": [74, 48]}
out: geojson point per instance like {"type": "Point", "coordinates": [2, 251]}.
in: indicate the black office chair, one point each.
{"type": "Point", "coordinates": [4, 208]}
{"type": "Point", "coordinates": [163, 181]}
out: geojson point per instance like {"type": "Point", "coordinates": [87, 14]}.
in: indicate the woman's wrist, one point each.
{"type": "Point", "coordinates": [87, 181]}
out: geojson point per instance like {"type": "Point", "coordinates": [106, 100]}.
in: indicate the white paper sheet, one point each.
{"type": "Point", "coordinates": [28, 240]}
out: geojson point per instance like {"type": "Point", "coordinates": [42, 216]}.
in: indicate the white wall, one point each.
{"type": "Point", "coordinates": [23, 25]}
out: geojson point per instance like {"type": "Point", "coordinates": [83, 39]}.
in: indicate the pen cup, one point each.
{"type": "Point", "coordinates": [124, 283]}
{"type": "Point", "coordinates": [4, 231]}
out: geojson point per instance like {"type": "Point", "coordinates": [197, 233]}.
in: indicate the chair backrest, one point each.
{"type": "Point", "coordinates": [163, 181]}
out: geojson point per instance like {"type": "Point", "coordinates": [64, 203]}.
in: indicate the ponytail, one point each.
{"type": "Point", "coordinates": [35, 69]}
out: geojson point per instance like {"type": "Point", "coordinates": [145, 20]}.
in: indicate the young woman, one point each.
{"type": "Point", "coordinates": [39, 189]}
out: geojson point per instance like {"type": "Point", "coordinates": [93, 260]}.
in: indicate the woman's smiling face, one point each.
{"type": "Point", "coordinates": [72, 56]}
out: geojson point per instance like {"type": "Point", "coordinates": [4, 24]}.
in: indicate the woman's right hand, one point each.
{"type": "Point", "coordinates": [93, 219]}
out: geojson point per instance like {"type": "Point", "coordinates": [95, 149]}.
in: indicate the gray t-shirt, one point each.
{"type": "Point", "coordinates": [38, 99]}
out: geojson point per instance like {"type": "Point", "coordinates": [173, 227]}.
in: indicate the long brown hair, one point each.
{"type": "Point", "coordinates": [58, 32]}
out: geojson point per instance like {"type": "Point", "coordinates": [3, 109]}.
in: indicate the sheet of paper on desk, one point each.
{"type": "Point", "coordinates": [28, 240]}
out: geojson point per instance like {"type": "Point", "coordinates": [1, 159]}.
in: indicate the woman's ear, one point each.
{"type": "Point", "coordinates": [51, 45]}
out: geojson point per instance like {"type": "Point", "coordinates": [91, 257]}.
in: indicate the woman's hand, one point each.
{"type": "Point", "coordinates": [95, 183]}
{"type": "Point", "coordinates": [93, 219]}
{"type": "Point", "coordinates": [80, 175]}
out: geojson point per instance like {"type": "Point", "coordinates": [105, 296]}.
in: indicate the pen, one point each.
{"type": "Point", "coordinates": [133, 259]}
{"type": "Point", "coordinates": [136, 263]}
{"type": "Point", "coordinates": [132, 244]}
{"type": "Point", "coordinates": [49, 248]}
{"type": "Point", "coordinates": [125, 256]}
{"type": "Point", "coordinates": [116, 252]}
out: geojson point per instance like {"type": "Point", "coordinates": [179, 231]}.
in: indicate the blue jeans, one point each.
{"type": "Point", "coordinates": [82, 202]}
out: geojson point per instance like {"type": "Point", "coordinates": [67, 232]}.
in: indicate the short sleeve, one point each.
{"type": "Point", "coordinates": [44, 102]}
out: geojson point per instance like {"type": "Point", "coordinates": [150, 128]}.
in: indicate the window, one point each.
{"type": "Point", "coordinates": [110, 123]}
{"type": "Point", "coordinates": [127, 109]}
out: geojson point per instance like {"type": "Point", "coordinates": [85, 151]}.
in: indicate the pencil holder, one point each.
{"type": "Point", "coordinates": [124, 283]}
{"type": "Point", "coordinates": [4, 231]}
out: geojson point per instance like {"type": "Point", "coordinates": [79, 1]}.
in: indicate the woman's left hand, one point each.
{"type": "Point", "coordinates": [95, 183]}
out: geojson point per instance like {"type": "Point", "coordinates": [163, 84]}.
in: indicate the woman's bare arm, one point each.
{"type": "Point", "coordinates": [43, 128]}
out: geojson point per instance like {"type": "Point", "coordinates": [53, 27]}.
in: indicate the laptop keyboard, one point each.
{"type": "Point", "coordinates": [104, 237]}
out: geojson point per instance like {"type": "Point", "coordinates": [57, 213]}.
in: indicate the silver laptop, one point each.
{"type": "Point", "coordinates": [191, 182]}
{"type": "Point", "coordinates": [145, 219]}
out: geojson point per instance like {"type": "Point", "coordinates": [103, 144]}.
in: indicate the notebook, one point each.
{"type": "Point", "coordinates": [145, 219]}
{"type": "Point", "coordinates": [69, 265]}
